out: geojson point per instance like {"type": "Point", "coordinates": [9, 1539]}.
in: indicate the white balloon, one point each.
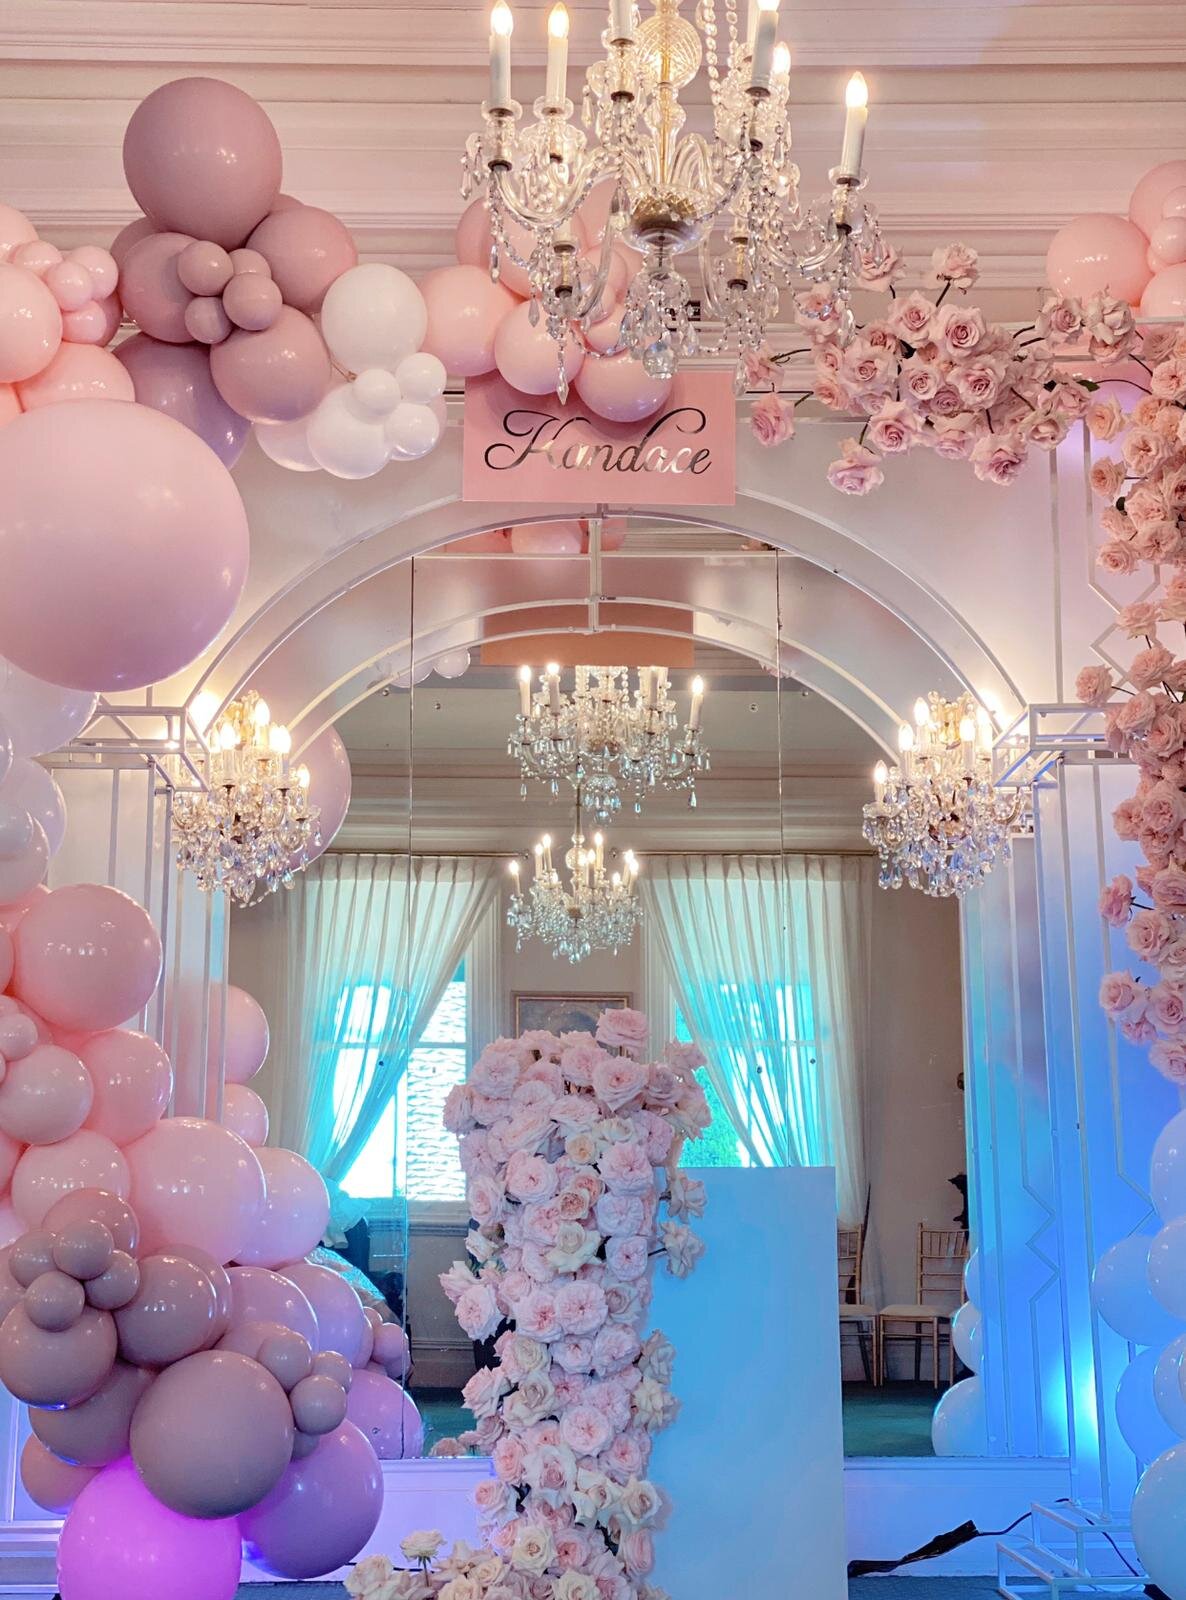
{"type": "Point", "coordinates": [373, 316]}
{"type": "Point", "coordinates": [422, 377]}
{"type": "Point", "coordinates": [1145, 1430]}
{"type": "Point", "coordinates": [6, 754]}
{"type": "Point", "coordinates": [1169, 1377]}
{"type": "Point", "coordinates": [342, 441]}
{"type": "Point", "coordinates": [30, 786]}
{"type": "Point", "coordinates": [1121, 1292]}
{"type": "Point", "coordinates": [287, 444]}
{"type": "Point", "coordinates": [1159, 1521]}
{"type": "Point", "coordinates": [375, 392]}
{"type": "Point", "coordinates": [967, 1334]}
{"type": "Point", "coordinates": [1167, 1170]}
{"type": "Point", "coordinates": [1167, 1272]}
{"type": "Point", "coordinates": [973, 1278]}
{"type": "Point", "coordinates": [16, 830]}
{"type": "Point", "coordinates": [453, 664]}
{"type": "Point", "coordinates": [40, 716]}
{"type": "Point", "coordinates": [412, 430]}
{"type": "Point", "coordinates": [959, 1426]}
{"type": "Point", "coordinates": [23, 870]}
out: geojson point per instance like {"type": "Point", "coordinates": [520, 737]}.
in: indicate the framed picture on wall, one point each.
{"type": "Point", "coordinates": [565, 1013]}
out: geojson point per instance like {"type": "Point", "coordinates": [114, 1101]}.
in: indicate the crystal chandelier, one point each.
{"type": "Point", "coordinates": [252, 828]}
{"type": "Point", "coordinates": [936, 819]}
{"type": "Point", "coordinates": [604, 739]}
{"type": "Point", "coordinates": [732, 196]}
{"type": "Point", "coordinates": [589, 910]}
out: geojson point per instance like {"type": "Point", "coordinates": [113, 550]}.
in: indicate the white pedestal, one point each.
{"type": "Point", "coordinates": [754, 1463]}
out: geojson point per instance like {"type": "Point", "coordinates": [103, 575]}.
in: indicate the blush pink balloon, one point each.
{"type": "Point", "coordinates": [45, 1173]}
{"type": "Point", "coordinates": [152, 293]}
{"type": "Point", "coordinates": [204, 267]}
{"type": "Point", "coordinates": [175, 380]}
{"type": "Point", "coordinates": [95, 323]}
{"type": "Point", "coordinates": [249, 261]}
{"type": "Point", "coordinates": [239, 1026]}
{"type": "Point", "coordinates": [617, 388]}
{"type": "Point", "coordinates": [96, 1431]}
{"type": "Point", "coordinates": [77, 372]}
{"type": "Point", "coordinates": [130, 234]}
{"type": "Point", "coordinates": [1151, 193]}
{"type": "Point", "coordinates": [386, 1415]}
{"type": "Point", "coordinates": [306, 248]}
{"type": "Point", "coordinates": [15, 230]}
{"type": "Point", "coordinates": [50, 1482]}
{"type": "Point", "coordinates": [465, 310]}
{"type": "Point", "coordinates": [329, 785]}
{"type": "Point", "coordinates": [1168, 240]}
{"type": "Point", "coordinates": [493, 543]}
{"type": "Point", "coordinates": [1098, 254]}
{"type": "Point", "coordinates": [391, 1349]}
{"type": "Point", "coordinates": [474, 238]}
{"type": "Point", "coordinates": [340, 1319]}
{"type": "Point", "coordinates": [6, 957]}
{"type": "Point", "coordinates": [244, 1113]}
{"type": "Point", "coordinates": [100, 267]}
{"type": "Point", "coordinates": [121, 570]}
{"type": "Point", "coordinates": [70, 285]}
{"type": "Point", "coordinates": [295, 1213]}
{"type": "Point", "coordinates": [202, 157]}
{"type": "Point", "coordinates": [1165, 295]}
{"type": "Point", "coordinates": [38, 257]}
{"type": "Point", "coordinates": [194, 1182]}
{"type": "Point", "coordinates": [258, 1295]}
{"type": "Point", "coordinates": [120, 1543]}
{"type": "Point", "coordinates": [87, 957]}
{"type": "Point", "coordinates": [547, 539]}
{"type": "Point", "coordinates": [275, 376]}
{"type": "Point", "coordinates": [528, 358]}
{"type": "Point", "coordinates": [252, 301]}
{"type": "Point", "coordinates": [321, 1513]}
{"type": "Point", "coordinates": [30, 324]}
{"type": "Point", "coordinates": [45, 1096]}
{"type": "Point", "coordinates": [132, 1080]}
{"type": "Point", "coordinates": [10, 406]}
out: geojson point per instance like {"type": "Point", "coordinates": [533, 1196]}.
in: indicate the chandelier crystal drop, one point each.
{"type": "Point", "coordinates": [936, 819]}
{"type": "Point", "coordinates": [252, 827]}
{"type": "Point", "coordinates": [731, 195]}
{"type": "Point", "coordinates": [584, 909]}
{"type": "Point", "coordinates": [606, 739]}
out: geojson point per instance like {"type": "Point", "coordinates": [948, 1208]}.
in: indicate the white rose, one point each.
{"type": "Point", "coordinates": [532, 1551]}
{"type": "Point", "coordinates": [422, 1545]}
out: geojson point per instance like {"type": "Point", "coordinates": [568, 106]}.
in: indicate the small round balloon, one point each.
{"type": "Point", "coordinates": [238, 1029]}
{"type": "Point", "coordinates": [50, 1482]}
{"type": "Point", "coordinates": [1098, 254]}
{"type": "Point", "coordinates": [959, 1426]}
{"type": "Point", "coordinates": [173, 1314]}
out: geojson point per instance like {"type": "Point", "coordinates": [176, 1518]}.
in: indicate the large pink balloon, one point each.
{"type": "Point", "coordinates": [244, 1113]}
{"type": "Point", "coordinates": [7, 957]}
{"type": "Point", "coordinates": [45, 1096]}
{"type": "Point", "coordinates": [474, 238]}
{"type": "Point", "coordinates": [15, 230]}
{"type": "Point", "coordinates": [321, 1513]}
{"type": "Point", "coordinates": [243, 1031]}
{"type": "Point", "coordinates": [340, 1319]}
{"type": "Point", "coordinates": [123, 542]}
{"type": "Point", "coordinates": [465, 311]}
{"type": "Point", "coordinates": [46, 1172]}
{"type": "Point", "coordinates": [306, 248]}
{"type": "Point", "coordinates": [151, 291]}
{"type": "Point", "coordinates": [202, 157]}
{"type": "Point", "coordinates": [547, 539]}
{"type": "Point", "coordinates": [96, 1431]}
{"type": "Point", "coordinates": [213, 1435]}
{"type": "Point", "coordinates": [55, 1369]}
{"type": "Point", "coordinates": [175, 379]}
{"type": "Point", "coordinates": [77, 372]}
{"type": "Point", "coordinates": [87, 957]}
{"type": "Point", "coordinates": [120, 1543]}
{"type": "Point", "coordinates": [277, 375]}
{"type": "Point", "coordinates": [329, 785]}
{"type": "Point", "coordinates": [50, 1482]}
{"type": "Point", "coordinates": [382, 1410]}
{"type": "Point", "coordinates": [295, 1214]}
{"type": "Point", "coordinates": [1152, 191]}
{"type": "Point", "coordinates": [528, 358]}
{"type": "Point", "coordinates": [195, 1182]}
{"type": "Point", "coordinates": [30, 324]}
{"type": "Point", "coordinates": [1165, 295]}
{"type": "Point", "coordinates": [131, 233]}
{"type": "Point", "coordinates": [1098, 254]}
{"type": "Point", "coordinates": [258, 1295]}
{"type": "Point", "coordinates": [132, 1081]}
{"type": "Point", "coordinates": [617, 388]}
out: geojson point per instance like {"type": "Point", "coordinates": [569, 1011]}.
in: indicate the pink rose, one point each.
{"type": "Point", "coordinates": [457, 1114]}
{"type": "Point", "coordinates": [585, 1430]}
{"type": "Point", "coordinates": [1116, 901]}
{"type": "Point", "coordinates": [1117, 557]}
{"type": "Point", "coordinates": [478, 1312]}
{"type": "Point", "coordinates": [627, 1454]}
{"type": "Point", "coordinates": [979, 381]}
{"type": "Point", "coordinates": [1138, 619]}
{"type": "Point", "coordinates": [615, 1347]}
{"type": "Point", "coordinates": [1110, 327]}
{"type": "Point", "coordinates": [581, 1054]}
{"type": "Point", "coordinates": [857, 471]}
{"type": "Point", "coordinates": [1107, 478]}
{"type": "Point", "coordinates": [830, 392]}
{"type": "Point", "coordinates": [623, 1029]}
{"type": "Point", "coordinates": [959, 329]}
{"type": "Point", "coordinates": [1149, 934]}
{"type": "Point", "coordinates": [530, 1177]}
{"type": "Point", "coordinates": [895, 427]}
{"type": "Point", "coordinates": [954, 437]}
{"type": "Point", "coordinates": [483, 1391]}
{"type": "Point", "coordinates": [1045, 426]}
{"type": "Point", "coordinates": [1166, 1009]}
{"type": "Point", "coordinates": [772, 420]}
{"type": "Point", "coordinates": [538, 1317]}
{"type": "Point", "coordinates": [866, 367]}
{"type": "Point", "coordinates": [637, 1552]}
{"type": "Point", "coordinates": [496, 1072]}
{"type": "Point", "coordinates": [526, 1129]}
{"type": "Point", "coordinates": [1093, 686]}
{"type": "Point", "coordinates": [574, 1355]}
{"type": "Point", "coordinates": [1169, 890]}
{"type": "Point", "coordinates": [910, 318]}
{"type": "Point", "coordinates": [492, 1499]}
{"type": "Point", "coordinates": [1169, 1057]}
{"type": "Point", "coordinates": [1149, 667]}
{"type": "Point", "coordinates": [619, 1080]}
{"type": "Point", "coordinates": [1144, 451]}
{"type": "Point", "coordinates": [1104, 418]}
{"type": "Point", "coordinates": [619, 1214]}
{"type": "Point", "coordinates": [761, 372]}
{"type": "Point", "coordinates": [998, 458]}
{"type": "Point", "coordinates": [817, 309]}
{"type": "Point", "coordinates": [1060, 318]}
{"type": "Point", "coordinates": [581, 1307]}
{"type": "Point", "coordinates": [878, 268]}
{"type": "Point", "coordinates": [626, 1169]}
{"type": "Point", "coordinates": [485, 1198]}
{"type": "Point", "coordinates": [957, 264]}
{"type": "Point", "coordinates": [626, 1256]}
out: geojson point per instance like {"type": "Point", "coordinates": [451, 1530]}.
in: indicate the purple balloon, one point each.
{"type": "Point", "coordinates": [321, 1513]}
{"type": "Point", "coordinates": [275, 376]}
{"type": "Point", "coordinates": [151, 291]}
{"type": "Point", "coordinates": [202, 156]}
{"type": "Point", "coordinates": [175, 379]}
{"type": "Point", "coordinates": [120, 1543]}
{"type": "Point", "coordinates": [386, 1414]}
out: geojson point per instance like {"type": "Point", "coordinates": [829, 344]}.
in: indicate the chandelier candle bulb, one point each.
{"type": "Point", "coordinates": [553, 680]}
{"type": "Point", "coordinates": [556, 92]}
{"type": "Point", "coordinates": [502, 25]}
{"type": "Point", "coordinates": [524, 691]}
{"type": "Point", "coordinates": [880, 779]}
{"type": "Point", "coordinates": [697, 704]}
{"type": "Point", "coordinates": [856, 101]}
{"type": "Point", "coordinates": [781, 70]}
{"type": "Point", "coordinates": [621, 21]}
{"type": "Point", "coordinates": [764, 40]}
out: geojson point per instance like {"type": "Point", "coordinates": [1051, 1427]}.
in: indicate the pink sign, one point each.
{"type": "Point", "coordinates": [534, 450]}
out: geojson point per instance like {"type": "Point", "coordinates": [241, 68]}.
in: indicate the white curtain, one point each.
{"type": "Point", "coordinates": [372, 941]}
{"type": "Point", "coordinates": [768, 958]}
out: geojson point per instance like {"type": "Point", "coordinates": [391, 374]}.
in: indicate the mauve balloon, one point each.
{"type": "Point", "coordinates": [213, 1435]}
{"type": "Point", "coordinates": [262, 1296]}
{"type": "Point", "coordinates": [391, 1349]}
{"type": "Point", "coordinates": [100, 1205]}
{"type": "Point", "coordinates": [31, 1255]}
{"type": "Point", "coordinates": [55, 1369]}
{"type": "Point", "coordinates": [54, 1302]}
{"type": "Point", "coordinates": [87, 957]}
{"type": "Point", "coordinates": [289, 1359]}
{"type": "Point", "coordinates": [11, 1292]}
{"type": "Point", "coordinates": [306, 248]}
{"type": "Point", "coordinates": [203, 156]}
{"type": "Point", "coordinates": [321, 1513]}
{"type": "Point", "coordinates": [318, 1404]}
{"type": "Point", "coordinates": [119, 1543]}
{"type": "Point", "coordinates": [340, 1322]}
{"type": "Point", "coordinates": [150, 289]}
{"type": "Point", "coordinates": [50, 1482]}
{"type": "Point", "coordinates": [334, 1366]}
{"type": "Point", "coordinates": [84, 1249]}
{"type": "Point", "coordinates": [173, 1314]}
{"type": "Point", "coordinates": [276, 375]}
{"type": "Point", "coordinates": [117, 1285]}
{"type": "Point", "coordinates": [175, 380]}
{"type": "Point", "coordinates": [95, 1431]}
{"type": "Point", "coordinates": [130, 234]}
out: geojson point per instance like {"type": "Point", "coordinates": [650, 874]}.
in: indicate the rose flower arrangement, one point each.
{"type": "Point", "coordinates": [570, 1145]}
{"type": "Point", "coordinates": [933, 373]}
{"type": "Point", "coordinates": [1143, 489]}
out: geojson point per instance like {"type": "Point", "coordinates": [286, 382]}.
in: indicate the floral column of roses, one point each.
{"type": "Point", "coordinates": [570, 1154]}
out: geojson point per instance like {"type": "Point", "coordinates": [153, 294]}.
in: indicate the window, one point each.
{"type": "Point", "coordinates": [409, 1153]}
{"type": "Point", "coordinates": [718, 1145]}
